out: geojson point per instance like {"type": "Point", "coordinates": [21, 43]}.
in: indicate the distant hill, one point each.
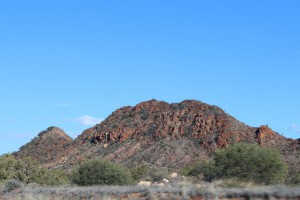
{"type": "Point", "coordinates": [46, 146]}
{"type": "Point", "coordinates": [156, 133]}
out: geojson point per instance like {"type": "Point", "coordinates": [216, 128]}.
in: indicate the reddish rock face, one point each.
{"type": "Point", "coordinates": [208, 125]}
{"type": "Point", "coordinates": [266, 135]}
{"type": "Point", "coordinates": [162, 134]}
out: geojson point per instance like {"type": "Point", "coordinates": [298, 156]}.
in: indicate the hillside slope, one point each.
{"type": "Point", "coordinates": [46, 146]}
{"type": "Point", "coordinates": [166, 135]}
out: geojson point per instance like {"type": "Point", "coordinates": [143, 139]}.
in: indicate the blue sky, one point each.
{"type": "Point", "coordinates": [71, 63]}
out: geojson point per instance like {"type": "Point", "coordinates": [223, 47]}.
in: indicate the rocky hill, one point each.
{"type": "Point", "coordinates": [46, 146]}
{"type": "Point", "coordinates": [161, 134]}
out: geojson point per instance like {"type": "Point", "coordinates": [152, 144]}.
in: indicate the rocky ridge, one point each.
{"type": "Point", "coordinates": [165, 135]}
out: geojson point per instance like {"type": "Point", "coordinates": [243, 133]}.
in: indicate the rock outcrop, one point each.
{"type": "Point", "coordinates": [165, 135]}
{"type": "Point", "coordinates": [155, 133]}
{"type": "Point", "coordinates": [209, 125]}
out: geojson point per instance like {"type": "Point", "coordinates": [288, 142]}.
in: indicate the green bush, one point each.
{"type": "Point", "coordinates": [51, 177]}
{"type": "Point", "coordinates": [201, 169]}
{"type": "Point", "coordinates": [23, 170]}
{"type": "Point", "coordinates": [156, 174]}
{"type": "Point", "coordinates": [295, 179]}
{"type": "Point", "coordinates": [139, 172]}
{"type": "Point", "coordinates": [100, 172]}
{"type": "Point", "coordinates": [247, 162]}
{"type": "Point", "coordinates": [148, 173]}
{"type": "Point", "coordinates": [7, 167]}
{"type": "Point", "coordinates": [28, 170]}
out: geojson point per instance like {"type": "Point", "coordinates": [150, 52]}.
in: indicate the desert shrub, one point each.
{"type": "Point", "coordinates": [151, 130]}
{"type": "Point", "coordinates": [51, 177]}
{"type": "Point", "coordinates": [28, 170]}
{"type": "Point", "coordinates": [144, 114]}
{"type": "Point", "coordinates": [138, 172]}
{"type": "Point", "coordinates": [11, 185]}
{"type": "Point", "coordinates": [156, 174]}
{"type": "Point", "coordinates": [201, 169]}
{"type": "Point", "coordinates": [100, 172]}
{"type": "Point", "coordinates": [56, 177]}
{"type": "Point", "coordinates": [295, 180]}
{"type": "Point", "coordinates": [148, 173]}
{"type": "Point", "coordinates": [185, 171]}
{"type": "Point", "coordinates": [247, 162]}
{"type": "Point", "coordinates": [23, 169]}
{"type": "Point", "coordinates": [7, 167]}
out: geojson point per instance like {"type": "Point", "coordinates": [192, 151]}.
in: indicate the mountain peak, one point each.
{"type": "Point", "coordinates": [51, 130]}
{"type": "Point", "coordinates": [46, 146]}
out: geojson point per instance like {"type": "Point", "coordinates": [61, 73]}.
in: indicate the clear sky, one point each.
{"type": "Point", "coordinates": [72, 63]}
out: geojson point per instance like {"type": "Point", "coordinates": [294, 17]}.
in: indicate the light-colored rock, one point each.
{"type": "Point", "coordinates": [166, 180]}
{"type": "Point", "coordinates": [105, 145]}
{"type": "Point", "coordinates": [144, 183]}
{"type": "Point", "coordinates": [174, 175]}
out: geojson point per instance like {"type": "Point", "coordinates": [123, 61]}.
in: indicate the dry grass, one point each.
{"type": "Point", "coordinates": [181, 191]}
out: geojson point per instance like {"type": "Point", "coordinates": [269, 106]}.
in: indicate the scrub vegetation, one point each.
{"type": "Point", "coordinates": [100, 172]}
{"type": "Point", "coordinates": [246, 162]}
{"type": "Point", "coordinates": [27, 170]}
{"type": "Point", "coordinates": [241, 165]}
